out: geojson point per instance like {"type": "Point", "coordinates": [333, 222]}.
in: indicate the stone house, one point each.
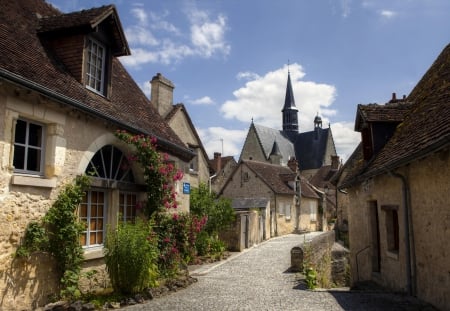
{"type": "Point", "coordinates": [63, 95]}
{"type": "Point", "coordinates": [280, 186]}
{"type": "Point", "coordinates": [397, 183]}
{"type": "Point", "coordinates": [312, 149]}
{"type": "Point", "coordinates": [220, 168]}
{"type": "Point", "coordinates": [249, 228]}
{"type": "Point", "coordinates": [181, 123]}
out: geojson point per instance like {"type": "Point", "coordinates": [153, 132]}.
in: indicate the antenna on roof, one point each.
{"type": "Point", "coordinates": [288, 66]}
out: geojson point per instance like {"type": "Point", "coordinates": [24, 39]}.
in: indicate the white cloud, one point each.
{"type": "Point", "coordinates": [388, 14]}
{"type": "Point", "coordinates": [140, 15]}
{"type": "Point", "coordinates": [138, 35]}
{"type": "Point", "coordinates": [154, 39]}
{"type": "Point", "coordinates": [226, 141]}
{"type": "Point", "coordinates": [247, 76]}
{"type": "Point", "coordinates": [207, 36]}
{"type": "Point", "coordinates": [345, 138]}
{"type": "Point", "coordinates": [263, 98]}
{"type": "Point", "coordinates": [205, 100]}
{"type": "Point", "coordinates": [345, 7]}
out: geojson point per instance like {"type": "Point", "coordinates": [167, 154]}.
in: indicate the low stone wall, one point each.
{"type": "Point", "coordinates": [328, 258]}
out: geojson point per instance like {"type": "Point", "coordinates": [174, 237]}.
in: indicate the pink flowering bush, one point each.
{"type": "Point", "coordinates": [160, 175]}
{"type": "Point", "coordinates": [177, 234]}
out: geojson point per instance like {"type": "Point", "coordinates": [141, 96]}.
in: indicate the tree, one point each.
{"type": "Point", "coordinates": [218, 211]}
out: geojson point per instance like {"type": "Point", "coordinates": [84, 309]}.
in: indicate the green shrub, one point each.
{"type": "Point", "coordinates": [131, 256]}
{"type": "Point", "coordinates": [217, 248]}
{"type": "Point", "coordinates": [203, 243]}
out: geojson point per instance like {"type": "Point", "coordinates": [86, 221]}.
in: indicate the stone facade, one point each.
{"type": "Point", "coordinates": [71, 140]}
{"type": "Point", "coordinates": [428, 185]}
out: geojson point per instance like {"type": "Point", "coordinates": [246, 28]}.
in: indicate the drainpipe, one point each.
{"type": "Point", "coordinates": [211, 177]}
{"type": "Point", "coordinates": [409, 235]}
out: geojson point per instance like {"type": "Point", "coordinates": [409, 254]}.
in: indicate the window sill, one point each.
{"type": "Point", "coordinates": [392, 254]}
{"type": "Point", "coordinates": [93, 253]}
{"type": "Point", "coordinates": [34, 181]}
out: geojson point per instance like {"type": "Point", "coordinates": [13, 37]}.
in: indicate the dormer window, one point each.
{"type": "Point", "coordinates": [96, 66]}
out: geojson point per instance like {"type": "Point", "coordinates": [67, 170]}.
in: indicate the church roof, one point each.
{"type": "Point", "coordinates": [311, 147]}
{"type": "Point", "coordinates": [267, 136]}
{"type": "Point", "coordinates": [289, 101]}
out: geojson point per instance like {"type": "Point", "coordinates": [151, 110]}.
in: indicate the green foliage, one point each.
{"type": "Point", "coordinates": [35, 239]}
{"type": "Point", "coordinates": [311, 278]}
{"type": "Point", "coordinates": [203, 244]}
{"type": "Point", "coordinates": [59, 235]}
{"type": "Point", "coordinates": [64, 228]}
{"type": "Point", "coordinates": [130, 256]}
{"type": "Point", "coordinates": [219, 212]}
{"type": "Point", "coordinates": [159, 173]}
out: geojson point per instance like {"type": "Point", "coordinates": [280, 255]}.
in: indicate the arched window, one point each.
{"type": "Point", "coordinates": [110, 163]}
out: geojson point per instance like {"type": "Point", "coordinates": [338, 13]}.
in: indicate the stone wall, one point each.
{"type": "Point", "coordinates": [71, 139]}
{"type": "Point", "coordinates": [428, 183]}
{"type": "Point", "coordinates": [327, 258]}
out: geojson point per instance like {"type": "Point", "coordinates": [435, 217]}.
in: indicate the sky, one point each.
{"type": "Point", "coordinates": [229, 59]}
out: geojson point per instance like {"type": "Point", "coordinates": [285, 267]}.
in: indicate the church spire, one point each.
{"type": "Point", "coordinates": [290, 111]}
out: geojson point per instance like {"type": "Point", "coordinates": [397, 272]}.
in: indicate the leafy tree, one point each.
{"type": "Point", "coordinates": [218, 211]}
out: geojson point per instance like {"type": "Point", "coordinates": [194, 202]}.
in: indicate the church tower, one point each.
{"type": "Point", "coordinates": [290, 111]}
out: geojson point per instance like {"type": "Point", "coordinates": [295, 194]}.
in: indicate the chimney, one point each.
{"type": "Point", "coordinates": [334, 162]}
{"type": "Point", "coordinates": [218, 161]}
{"type": "Point", "coordinates": [161, 95]}
{"type": "Point", "coordinates": [293, 164]}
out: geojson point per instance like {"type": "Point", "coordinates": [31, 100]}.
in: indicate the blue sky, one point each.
{"type": "Point", "coordinates": [229, 59]}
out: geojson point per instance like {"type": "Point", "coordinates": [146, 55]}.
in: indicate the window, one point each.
{"type": "Point", "coordinates": [245, 176]}
{"type": "Point", "coordinates": [110, 163]}
{"type": "Point", "coordinates": [392, 229]}
{"type": "Point", "coordinates": [127, 206]}
{"type": "Point", "coordinates": [28, 147]}
{"type": "Point", "coordinates": [95, 66]}
{"type": "Point", "coordinates": [287, 208]}
{"type": "Point", "coordinates": [193, 165]}
{"type": "Point", "coordinates": [93, 213]}
{"type": "Point", "coordinates": [313, 211]}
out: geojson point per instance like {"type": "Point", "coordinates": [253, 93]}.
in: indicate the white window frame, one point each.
{"type": "Point", "coordinates": [89, 218]}
{"type": "Point", "coordinates": [27, 146]}
{"type": "Point", "coordinates": [95, 72]}
{"type": "Point", "coordinates": [123, 206]}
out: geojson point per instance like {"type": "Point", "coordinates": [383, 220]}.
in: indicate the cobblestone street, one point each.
{"type": "Point", "coordinates": [257, 279]}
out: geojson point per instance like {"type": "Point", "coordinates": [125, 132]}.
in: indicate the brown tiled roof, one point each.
{"type": "Point", "coordinates": [390, 112]}
{"type": "Point", "coordinates": [25, 61]}
{"type": "Point", "coordinates": [85, 18]}
{"type": "Point", "coordinates": [425, 129]}
{"type": "Point", "coordinates": [85, 21]}
{"type": "Point", "coordinates": [275, 176]}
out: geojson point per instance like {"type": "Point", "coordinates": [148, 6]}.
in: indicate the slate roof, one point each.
{"type": "Point", "coordinates": [27, 62]}
{"type": "Point", "coordinates": [267, 136]}
{"type": "Point", "coordinates": [311, 148]}
{"type": "Point", "coordinates": [424, 130]}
